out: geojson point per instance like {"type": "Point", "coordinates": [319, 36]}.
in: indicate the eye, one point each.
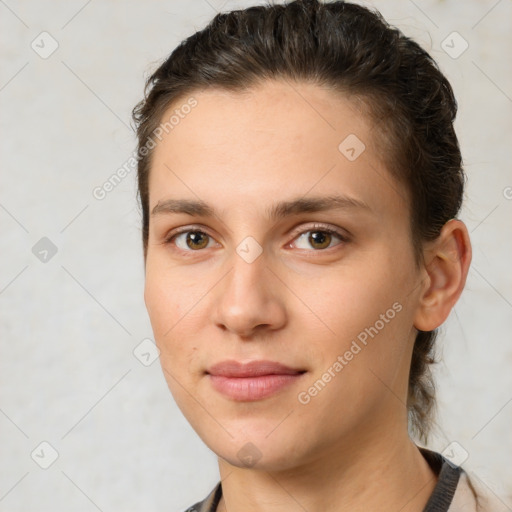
{"type": "Point", "coordinates": [319, 237]}
{"type": "Point", "coordinates": [191, 240]}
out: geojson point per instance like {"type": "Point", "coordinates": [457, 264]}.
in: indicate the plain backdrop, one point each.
{"type": "Point", "coordinates": [71, 274]}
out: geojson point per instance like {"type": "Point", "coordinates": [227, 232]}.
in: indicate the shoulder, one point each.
{"type": "Point", "coordinates": [472, 496]}
{"type": "Point", "coordinates": [209, 504]}
{"type": "Point", "coordinates": [458, 491]}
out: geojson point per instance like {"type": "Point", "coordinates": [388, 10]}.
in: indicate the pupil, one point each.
{"type": "Point", "coordinates": [319, 238]}
{"type": "Point", "coordinates": [195, 239]}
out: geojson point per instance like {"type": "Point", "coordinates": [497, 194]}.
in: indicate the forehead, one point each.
{"type": "Point", "coordinates": [275, 115]}
{"type": "Point", "coordinates": [276, 138]}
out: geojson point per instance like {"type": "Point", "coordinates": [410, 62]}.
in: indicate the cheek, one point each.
{"type": "Point", "coordinates": [169, 294]}
{"type": "Point", "coordinates": [354, 299]}
{"type": "Point", "coordinates": [366, 319]}
{"type": "Point", "coordinates": [167, 305]}
{"type": "Point", "coordinates": [162, 303]}
{"type": "Point", "coordinates": [167, 302]}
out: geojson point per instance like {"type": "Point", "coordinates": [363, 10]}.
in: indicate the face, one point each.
{"type": "Point", "coordinates": [280, 279]}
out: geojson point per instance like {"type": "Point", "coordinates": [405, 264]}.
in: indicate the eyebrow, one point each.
{"type": "Point", "coordinates": [278, 210]}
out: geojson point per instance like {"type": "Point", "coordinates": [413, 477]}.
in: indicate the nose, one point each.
{"type": "Point", "coordinates": [250, 299]}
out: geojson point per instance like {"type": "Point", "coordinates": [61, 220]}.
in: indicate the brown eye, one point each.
{"type": "Point", "coordinates": [197, 240]}
{"type": "Point", "coordinates": [191, 240]}
{"type": "Point", "coordinates": [319, 239]}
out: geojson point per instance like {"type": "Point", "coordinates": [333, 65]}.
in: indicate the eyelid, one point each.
{"type": "Point", "coordinates": [188, 227]}
{"type": "Point", "coordinates": [185, 229]}
{"type": "Point", "coordinates": [316, 226]}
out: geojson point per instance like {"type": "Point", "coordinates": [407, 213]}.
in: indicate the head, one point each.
{"type": "Point", "coordinates": [255, 121]}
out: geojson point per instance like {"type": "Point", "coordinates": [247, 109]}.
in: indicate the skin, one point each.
{"type": "Point", "coordinates": [298, 304]}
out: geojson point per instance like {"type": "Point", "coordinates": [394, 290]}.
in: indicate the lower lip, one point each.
{"type": "Point", "coordinates": [252, 388]}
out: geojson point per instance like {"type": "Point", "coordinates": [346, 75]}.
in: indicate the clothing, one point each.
{"type": "Point", "coordinates": [452, 492]}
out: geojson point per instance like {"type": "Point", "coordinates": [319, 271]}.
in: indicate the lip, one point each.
{"type": "Point", "coordinates": [254, 380]}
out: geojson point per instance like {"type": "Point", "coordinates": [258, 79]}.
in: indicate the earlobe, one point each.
{"type": "Point", "coordinates": [447, 266]}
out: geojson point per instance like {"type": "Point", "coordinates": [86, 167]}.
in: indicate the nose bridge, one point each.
{"type": "Point", "coordinates": [248, 271]}
{"type": "Point", "coordinates": [248, 298]}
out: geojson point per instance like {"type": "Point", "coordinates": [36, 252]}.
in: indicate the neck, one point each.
{"type": "Point", "coordinates": [387, 474]}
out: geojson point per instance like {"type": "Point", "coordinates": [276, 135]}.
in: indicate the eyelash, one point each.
{"type": "Point", "coordinates": [316, 227]}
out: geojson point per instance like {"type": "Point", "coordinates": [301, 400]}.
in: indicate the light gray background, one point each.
{"type": "Point", "coordinates": [69, 325]}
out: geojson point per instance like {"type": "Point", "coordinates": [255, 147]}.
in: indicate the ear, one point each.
{"type": "Point", "coordinates": [447, 261]}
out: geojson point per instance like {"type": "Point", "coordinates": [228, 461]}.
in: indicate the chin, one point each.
{"type": "Point", "coordinates": [249, 456]}
{"type": "Point", "coordinates": [256, 449]}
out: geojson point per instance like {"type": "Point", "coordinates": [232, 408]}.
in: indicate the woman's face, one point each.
{"type": "Point", "coordinates": [252, 181]}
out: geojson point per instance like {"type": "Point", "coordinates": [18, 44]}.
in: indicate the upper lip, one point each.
{"type": "Point", "coordinates": [232, 368]}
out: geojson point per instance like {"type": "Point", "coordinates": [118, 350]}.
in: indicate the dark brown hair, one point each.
{"type": "Point", "coordinates": [354, 51]}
